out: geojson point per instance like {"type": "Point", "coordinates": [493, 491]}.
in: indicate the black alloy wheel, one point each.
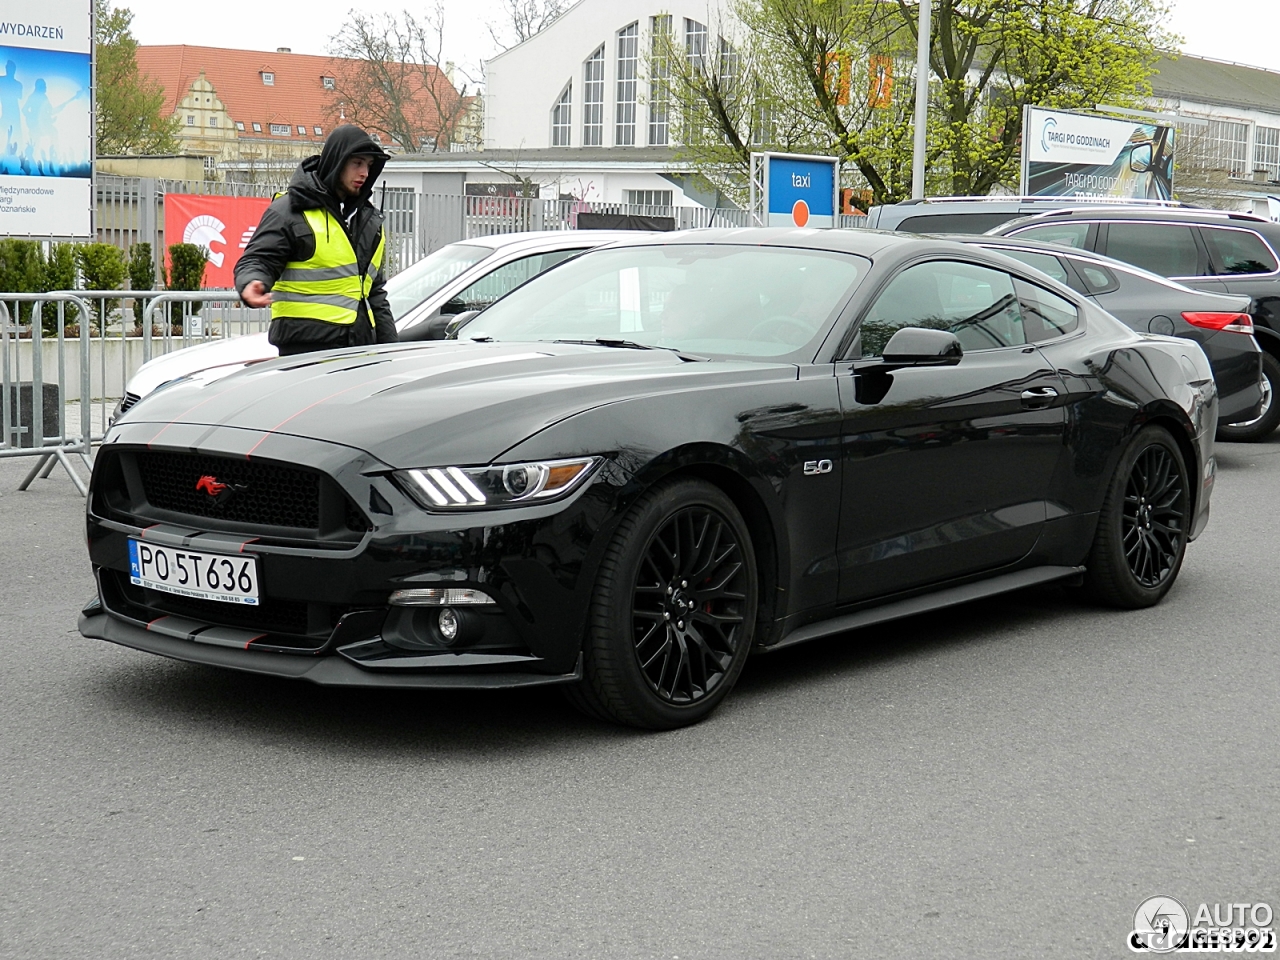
{"type": "Point", "coordinates": [1268, 418]}
{"type": "Point", "coordinates": [1142, 529]}
{"type": "Point", "coordinates": [674, 611]}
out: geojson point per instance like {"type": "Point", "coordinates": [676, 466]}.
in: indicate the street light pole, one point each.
{"type": "Point", "coordinates": [922, 102]}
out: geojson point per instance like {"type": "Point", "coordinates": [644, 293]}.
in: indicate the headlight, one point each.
{"type": "Point", "coordinates": [471, 488]}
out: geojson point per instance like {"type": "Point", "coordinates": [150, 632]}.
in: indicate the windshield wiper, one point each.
{"type": "Point", "coordinates": [633, 345]}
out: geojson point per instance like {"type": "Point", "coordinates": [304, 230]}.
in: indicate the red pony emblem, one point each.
{"type": "Point", "coordinates": [210, 485]}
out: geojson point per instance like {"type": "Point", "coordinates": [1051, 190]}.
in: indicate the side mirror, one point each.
{"type": "Point", "coordinates": [452, 308]}
{"type": "Point", "coordinates": [457, 323]}
{"type": "Point", "coordinates": [1140, 158]}
{"type": "Point", "coordinates": [918, 347]}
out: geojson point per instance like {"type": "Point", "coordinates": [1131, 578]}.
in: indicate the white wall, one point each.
{"type": "Point", "coordinates": [523, 84]}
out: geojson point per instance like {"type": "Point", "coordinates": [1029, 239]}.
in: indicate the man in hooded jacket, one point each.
{"type": "Point", "coordinates": [316, 256]}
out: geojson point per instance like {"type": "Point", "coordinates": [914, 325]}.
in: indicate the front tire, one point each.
{"type": "Point", "coordinates": [674, 610]}
{"type": "Point", "coordinates": [1265, 423]}
{"type": "Point", "coordinates": [1142, 529]}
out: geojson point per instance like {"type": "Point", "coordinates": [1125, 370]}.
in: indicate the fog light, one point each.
{"type": "Point", "coordinates": [439, 597]}
{"type": "Point", "coordinates": [448, 624]}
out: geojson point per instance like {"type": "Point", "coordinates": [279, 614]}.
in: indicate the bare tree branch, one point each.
{"type": "Point", "coordinates": [524, 19]}
{"type": "Point", "coordinates": [391, 78]}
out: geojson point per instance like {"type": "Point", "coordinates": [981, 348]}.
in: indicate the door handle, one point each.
{"type": "Point", "coordinates": [1038, 396]}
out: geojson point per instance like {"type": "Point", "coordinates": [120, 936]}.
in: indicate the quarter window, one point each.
{"type": "Point", "coordinates": [1168, 249]}
{"type": "Point", "coordinates": [1236, 252]}
{"type": "Point", "coordinates": [1097, 278]}
{"type": "Point", "coordinates": [1064, 234]}
{"type": "Point", "coordinates": [1045, 315]}
{"type": "Point", "coordinates": [975, 303]}
{"type": "Point", "coordinates": [1038, 261]}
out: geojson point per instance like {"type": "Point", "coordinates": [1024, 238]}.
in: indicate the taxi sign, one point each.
{"type": "Point", "coordinates": [792, 190]}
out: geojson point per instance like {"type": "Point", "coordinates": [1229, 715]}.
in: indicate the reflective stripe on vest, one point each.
{"type": "Point", "coordinates": [329, 286]}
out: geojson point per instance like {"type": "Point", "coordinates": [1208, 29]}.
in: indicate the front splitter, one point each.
{"type": "Point", "coordinates": [328, 671]}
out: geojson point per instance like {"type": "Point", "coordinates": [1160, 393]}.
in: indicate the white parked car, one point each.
{"type": "Point", "coordinates": [425, 296]}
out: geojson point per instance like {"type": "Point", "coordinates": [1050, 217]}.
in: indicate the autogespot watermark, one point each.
{"type": "Point", "coordinates": [1163, 925]}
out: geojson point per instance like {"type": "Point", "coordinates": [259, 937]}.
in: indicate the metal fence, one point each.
{"type": "Point", "coordinates": [131, 209]}
{"type": "Point", "coordinates": [65, 359]}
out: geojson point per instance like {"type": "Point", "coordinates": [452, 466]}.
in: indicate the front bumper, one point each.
{"type": "Point", "coordinates": [325, 615]}
{"type": "Point", "coordinates": [182, 642]}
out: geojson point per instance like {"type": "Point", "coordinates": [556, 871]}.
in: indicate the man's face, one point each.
{"type": "Point", "coordinates": [354, 173]}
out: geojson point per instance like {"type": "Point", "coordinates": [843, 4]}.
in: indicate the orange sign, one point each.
{"type": "Point", "coordinates": [880, 88]}
{"type": "Point", "coordinates": [222, 225]}
{"type": "Point", "coordinates": [839, 76]}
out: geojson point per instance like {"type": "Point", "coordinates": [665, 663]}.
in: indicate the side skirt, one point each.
{"type": "Point", "coordinates": [937, 600]}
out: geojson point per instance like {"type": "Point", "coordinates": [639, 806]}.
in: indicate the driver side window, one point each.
{"type": "Point", "coordinates": [506, 278]}
{"type": "Point", "coordinates": [975, 303]}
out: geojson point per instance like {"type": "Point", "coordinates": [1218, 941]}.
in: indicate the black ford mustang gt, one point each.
{"type": "Point", "coordinates": [639, 466]}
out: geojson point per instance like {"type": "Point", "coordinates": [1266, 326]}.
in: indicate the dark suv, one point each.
{"type": "Point", "coordinates": [1208, 250]}
{"type": "Point", "coordinates": [979, 214]}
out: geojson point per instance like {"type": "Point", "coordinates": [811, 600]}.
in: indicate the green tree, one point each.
{"type": "Point", "coordinates": [185, 269]}
{"type": "Point", "coordinates": [142, 274]}
{"type": "Point", "coordinates": [130, 105]}
{"type": "Point", "coordinates": [103, 268]}
{"type": "Point", "coordinates": [59, 274]}
{"type": "Point", "coordinates": [796, 75]}
{"type": "Point", "coordinates": [21, 269]}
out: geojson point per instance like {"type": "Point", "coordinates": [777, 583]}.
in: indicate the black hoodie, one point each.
{"type": "Point", "coordinates": [283, 236]}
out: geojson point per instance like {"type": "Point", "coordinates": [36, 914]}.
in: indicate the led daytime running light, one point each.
{"type": "Point", "coordinates": [460, 488]}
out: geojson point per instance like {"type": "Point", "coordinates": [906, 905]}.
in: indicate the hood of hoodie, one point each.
{"type": "Point", "coordinates": [315, 182]}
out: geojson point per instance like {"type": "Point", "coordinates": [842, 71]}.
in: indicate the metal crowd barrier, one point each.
{"type": "Point", "coordinates": [50, 450]}
{"type": "Point", "coordinates": [101, 358]}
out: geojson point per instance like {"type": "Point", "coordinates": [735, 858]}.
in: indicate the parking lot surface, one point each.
{"type": "Point", "coordinates": [1007, 779]}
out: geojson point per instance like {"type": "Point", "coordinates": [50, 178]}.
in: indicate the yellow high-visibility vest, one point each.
{"type": "Point", "coordinates": [329, 286]}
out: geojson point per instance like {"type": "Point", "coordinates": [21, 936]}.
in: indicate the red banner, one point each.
{"type": "Point", "coordinates": [222, 225]}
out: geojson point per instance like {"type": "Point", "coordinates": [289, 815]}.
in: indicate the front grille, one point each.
{"type": "Point", "coordinates": [258, 492]}
{"type": "Point", "coordinates": [269, 616]}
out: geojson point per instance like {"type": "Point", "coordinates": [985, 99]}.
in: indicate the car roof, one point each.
{"type": "Point", "coordinates": [553, 239]}
{"type": "Point", "coordinates": [1125, 212]}
{"type": "Point", "coordinates": [866, 243]}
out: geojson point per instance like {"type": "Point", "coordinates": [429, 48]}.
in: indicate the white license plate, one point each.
{"type": "Point", "coordinates": [190, 573]}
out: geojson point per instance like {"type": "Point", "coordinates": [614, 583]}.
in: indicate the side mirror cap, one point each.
{"type": "Point", "coordinates": [457, 323]}
{"type": "Point", "coordinates": [918, 347]}
{"type": "Point", "coordinates": [1140, 158]}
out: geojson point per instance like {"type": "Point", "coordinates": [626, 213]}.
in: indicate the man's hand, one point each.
{"type": "Point", "coordinates": [255, 294]}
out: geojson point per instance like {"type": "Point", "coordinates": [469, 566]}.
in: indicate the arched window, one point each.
{"type": "Point", "coordinates": [659, 95]}
{"type": "Point", "coordinates": [624, 132]}
{"type": "Point", "coordinates": [593, 99]}
{"type": "Point", "coordinates": [562, 117]}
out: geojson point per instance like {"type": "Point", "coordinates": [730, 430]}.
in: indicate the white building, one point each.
{"type": "Point", "coordinates": [571, 110]}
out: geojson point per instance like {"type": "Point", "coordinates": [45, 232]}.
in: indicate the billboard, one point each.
{"type": "Point", "coordinates": [46, 118]}
{"type": "Point", "coordinates": [1068, 154]}
{"type": "Point", "coordinates": [798, 191]}
{"type": "Point", "coordinates": [222, 225]}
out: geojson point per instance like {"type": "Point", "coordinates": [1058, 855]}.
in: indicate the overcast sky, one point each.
{"type": "Point", "coordinates": [1246, 31]}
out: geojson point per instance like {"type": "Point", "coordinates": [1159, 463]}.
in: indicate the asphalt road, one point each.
{"type": "Point", "coordinates": [1008, 779]}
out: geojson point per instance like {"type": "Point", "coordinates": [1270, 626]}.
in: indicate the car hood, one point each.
{"type": "Point", "coordinates": [434, 403]}
{"type": "Point", "coordinates": [235, 351]}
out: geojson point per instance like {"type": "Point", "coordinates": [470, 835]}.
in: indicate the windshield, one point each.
{"type": "Point", "coordinates": [415, 283]}
{"type": "Point", "coordinates": [705, 299]}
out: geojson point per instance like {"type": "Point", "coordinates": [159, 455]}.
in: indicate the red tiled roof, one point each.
{"type": "Point", "coordinates": [297, 97]}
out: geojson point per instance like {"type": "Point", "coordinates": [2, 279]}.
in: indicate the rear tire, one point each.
{"type": "Point", "coordinates": [1142, 529]}
{"type": "Point", "coordinates": [1251, 431]}
{"type": "Point", "coordinates": [673, 614]}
